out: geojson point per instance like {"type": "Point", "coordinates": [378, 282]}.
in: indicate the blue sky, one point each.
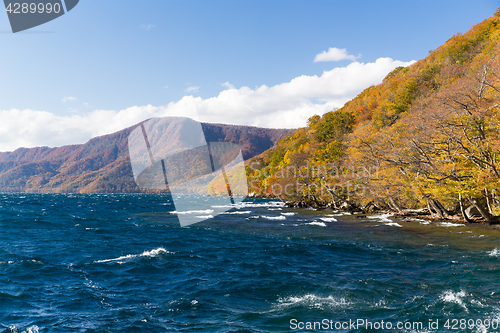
{"type": "Point", "coordinates": [110, 63]}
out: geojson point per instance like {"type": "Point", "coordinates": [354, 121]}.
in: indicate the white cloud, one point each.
{"type": "Point", "coordinates": [290, 104]}
{"type": "Point", "coordinates": [286, 105]}
{"type": "Point", "coordinates": [227, 85]}
{"type": "Point", "coordinates": [192, 89]}
{"type": "Point", "coordinates": [334, 54]}
{"type": "Point", "coordinates": [68, 99]}
{"type": "Point", "coordinates": [29, 128]}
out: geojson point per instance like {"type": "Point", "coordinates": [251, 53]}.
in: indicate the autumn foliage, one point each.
{"type": "Point", "coordinates": [427, 137]}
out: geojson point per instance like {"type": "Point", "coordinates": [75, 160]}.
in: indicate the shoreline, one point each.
{"type": "Point", "coordinates": [350, 208]}
{"type": "Point", "coordinates": [423, 213]}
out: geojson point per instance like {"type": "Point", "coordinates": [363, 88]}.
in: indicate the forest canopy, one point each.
{"type": "Point", "coordinates": [427, 137]}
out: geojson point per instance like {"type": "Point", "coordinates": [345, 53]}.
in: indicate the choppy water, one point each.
{"type": "Point", "coordinates": [122, 263]}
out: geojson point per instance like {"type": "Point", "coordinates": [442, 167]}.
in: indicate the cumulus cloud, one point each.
{"type": "Point", "coordinates": [30, 128]}
{"type": "Point", "coordinates": [192, 89]}
{"type": "Point", "coordinates": [290, 104]}
{"type": "Point", "coordinates": [286, 105]}
{"type": "Point", "coordinates": [68, 99]}
{"type": "Point", "coordinates": [334, 54]}
{"type": "Point", "coordinates": [227, 85]}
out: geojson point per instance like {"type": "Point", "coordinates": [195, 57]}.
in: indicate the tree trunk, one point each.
{"type": "Point", "coordinates": [487, 195]}
{"type": "Point", "coordinates": [484, 213]}
{"type": "Point", "coordinates": [435, 206]}
{"type": "Point", "coordinates": [466, 218]}
{"type": "Point", "coordinates": [444, 211]}
{"type": "Point", "coordinates": [394, 205]}
{"type": "Point", "coordinates": [333, 199]}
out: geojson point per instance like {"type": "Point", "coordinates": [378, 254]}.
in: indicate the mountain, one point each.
{"type": "Point", "coordinates": [102, 165]}
{"type": "Point", "coordinates": [427, 137]}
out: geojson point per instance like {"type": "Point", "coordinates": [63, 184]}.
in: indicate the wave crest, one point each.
{"type": "Point", "coordinates": [494, 253]}
{"type": "Point", "coordinates": [319, 224]}
{"type": "Point", "coordinates": [151, 254]}
{"type": "Point", "coordinates": [312, 301]}
{"type": "Point", "coordinates": [281, 217]}
{"type": "Point", "coordinates": [450, 297]}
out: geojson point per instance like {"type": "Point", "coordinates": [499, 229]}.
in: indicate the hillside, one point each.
{"type": "Point", "coordinates": [426, 139]}
{"type": "Point", "coordinates": [103, 163]}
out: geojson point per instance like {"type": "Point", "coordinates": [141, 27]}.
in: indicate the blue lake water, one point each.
{"type": "Point", "coordinates": [122, 263]}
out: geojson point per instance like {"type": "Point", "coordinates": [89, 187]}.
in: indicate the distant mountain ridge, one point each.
{"type": "Point", "coordinates": [102, 165]}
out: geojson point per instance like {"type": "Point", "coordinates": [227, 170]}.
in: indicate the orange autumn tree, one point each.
{"type": "Point", "coordinates": [425, 137]}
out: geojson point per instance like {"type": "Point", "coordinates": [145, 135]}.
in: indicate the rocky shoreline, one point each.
{"type": "Point", "coordinates": [472, 214]}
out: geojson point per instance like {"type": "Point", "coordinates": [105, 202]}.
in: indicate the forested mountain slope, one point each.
{"type": "Point", "coordinates": [103, 163]}
{"type": "Point", "coordinates": [427, 137]}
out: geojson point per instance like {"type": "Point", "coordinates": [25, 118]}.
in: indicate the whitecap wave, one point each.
{"type": "Point", "coordinates": [494, 253]}
{"type": "Point", "coordinates": [288, 214]}
{"type": "Point", "coordinates": [450, 297]}
{"type": "Point", "coordinates": [381, 217]}
{"type": "Point", "coordinates": [152, 254]}
{"type": "Point", "coordinates": [339, 214]}
{"type": "Point", "coordinates": [206, 211]}
{"type": "Point", "coordinates": [281, 217]}
{"type": "Point", "coordinates": [319, 224]}
{"type": "Point", "coordinates": [205, 216]}
{"type": "Point", "coordinates": [238, 212]}
{"type": "Point", "coordinates": [31, 329]}
{"type": "Point", "coordinates": [328, 219]}
{"type": "Point", "coordinates": [313, 302]}
{"type": "Point", "coordinates": [449, 224]}
{"type": "Point", "coordinates": [393, 224]}
{"type": "Point", "coordinates": [240, 205]}
{"type": "Point", "coordinates": [421, 221]}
